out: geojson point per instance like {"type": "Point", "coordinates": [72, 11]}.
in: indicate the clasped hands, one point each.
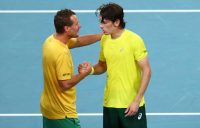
{"type": "Point", "coordinates": [85, 68]}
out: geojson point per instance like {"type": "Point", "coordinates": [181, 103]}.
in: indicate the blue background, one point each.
{"type": "Point", "coordinates": [172, 40]}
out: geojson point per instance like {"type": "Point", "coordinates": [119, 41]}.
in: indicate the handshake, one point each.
{"type": "Point", "coordinates": [85, 68]}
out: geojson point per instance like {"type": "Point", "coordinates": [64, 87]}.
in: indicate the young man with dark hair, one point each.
{"type": "Point", "coordinates": [58, 100]}
{"type": "Point", "coordinates": [124, 56]}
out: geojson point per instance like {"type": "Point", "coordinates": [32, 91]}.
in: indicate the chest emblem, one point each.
{"type": "Point", "coordinates": [121, 49]}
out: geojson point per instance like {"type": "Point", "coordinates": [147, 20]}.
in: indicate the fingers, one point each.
{"type": "Point", "coordinates": [84, 68]}
{"type": "Point", "coordinates": [81, 68]}
{"type": "Point", "coordinates": [127, 110]}
{"type": "Point", "coordinates": [130, 111]}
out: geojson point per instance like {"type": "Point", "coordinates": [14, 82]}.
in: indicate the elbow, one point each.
{"type": "Point", "coordinates": [64, 88]}
{"type": "Point", "coordinates": [149, 72]}
{"type": "Point", "coordinates": [64, 85]}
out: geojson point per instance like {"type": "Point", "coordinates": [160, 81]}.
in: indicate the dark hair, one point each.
{"type": "Point", "coordinates": [111, 11]}
{"type": "Point", "coordinates": [62, 18]}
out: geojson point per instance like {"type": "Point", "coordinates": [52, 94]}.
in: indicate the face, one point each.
{"type": "Point", "coordinates": [74, 28]}
{"type": "Point", "coordinates": [107, 26]}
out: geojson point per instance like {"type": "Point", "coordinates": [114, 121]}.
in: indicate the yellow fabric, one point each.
{"type": "Point", "coordinates": [123, 73]}
{"type": "Point", "coordinates": [71, 42]}
{"type": "Point", "coordinates": [57, 65]}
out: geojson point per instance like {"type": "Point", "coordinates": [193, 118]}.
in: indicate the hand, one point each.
{"type": "Point", "coordinates": [132, 109]}
{"type": "Point", "coordinates": [85, 68]}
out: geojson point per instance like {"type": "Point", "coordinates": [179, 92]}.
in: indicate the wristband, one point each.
{"type": "Point", "coordinates": [92, 71]}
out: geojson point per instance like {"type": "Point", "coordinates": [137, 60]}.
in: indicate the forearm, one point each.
{"type": "Point", "coordinates": [146, 75]}
{"type": "Point", "coordinates": [67, 84]}
{"type": "Point", "coordinates": [88, 39]}
{"type": "Point", "coordinates": [99, 68]}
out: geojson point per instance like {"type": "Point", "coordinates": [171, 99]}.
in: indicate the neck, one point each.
{"type": "Point", "coordinates": [117, 33]}
{"type": "Point", "coordinates": [61, 37]}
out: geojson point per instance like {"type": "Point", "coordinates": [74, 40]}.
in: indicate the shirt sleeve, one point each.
{"type": "Point", "coordinates": [101, 54]}
{"type": "Point", "coordinates": [63, 67]}
{"type": "Point", "coordinates": [139, 49]}
{"type": "Point", "coordinates": [71, 42]}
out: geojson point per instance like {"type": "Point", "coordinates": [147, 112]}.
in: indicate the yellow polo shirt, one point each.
{"type": "Point", "coordinates": [123, 73]}
{"type": "Point", "coordinates": [56, 103]}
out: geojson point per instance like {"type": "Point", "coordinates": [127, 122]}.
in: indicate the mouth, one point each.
{"type": "Point", "coordinates": [104, 32]}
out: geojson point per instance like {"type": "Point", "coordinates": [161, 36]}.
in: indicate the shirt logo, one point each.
{"type": "Point", "coordinates": [121, 50]}
{"type": "Point", "coordinates": [139, 116]}
{"type": "Point", "coordinates": [66, 74]}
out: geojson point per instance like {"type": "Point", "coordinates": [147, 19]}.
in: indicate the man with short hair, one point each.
{"type": "Point", "coordinates": [124, 57]}
{"type": "Point", "coordinates": [58, 99]}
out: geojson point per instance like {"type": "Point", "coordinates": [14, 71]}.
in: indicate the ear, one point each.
{"type": "Point", "coordinates": [117, 23]}
{"type": "Point", "coordinates": [67, 28]}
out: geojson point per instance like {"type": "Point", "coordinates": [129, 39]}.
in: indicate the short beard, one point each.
{"type": "Point", "coordinates": [73, 36]}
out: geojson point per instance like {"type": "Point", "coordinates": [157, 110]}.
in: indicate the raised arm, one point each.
{"type": "Point", "coordinates": [87, 40]}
